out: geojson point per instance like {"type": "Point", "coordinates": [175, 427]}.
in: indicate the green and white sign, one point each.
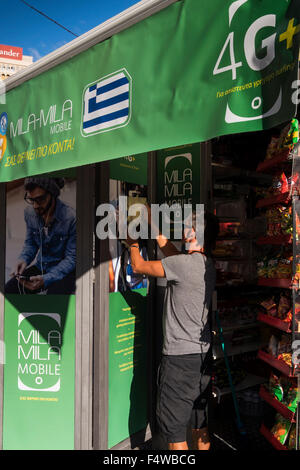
{"type": "Point", "coordinates": [39, 374]}
{"type": "Point", "coordinates": [178, 175]}
{"type": "Point", "coordinates": [189, 73]}
{"type": "Point", "coordinates": [127, 406]}
{"type": "Point", "coordinates": [178, 181]}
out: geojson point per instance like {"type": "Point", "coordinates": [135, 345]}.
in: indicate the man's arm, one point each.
{"type": "Point", "coordinates": [140, 266]}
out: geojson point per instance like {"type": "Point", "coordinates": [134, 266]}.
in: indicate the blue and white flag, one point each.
{"type": "Point", "coordinates": [106, 104]}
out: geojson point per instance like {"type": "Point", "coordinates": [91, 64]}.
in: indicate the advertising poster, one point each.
{"type": "Point", "coordinates": [39, 321]}
{"type": "Point", "coordinates": [127, 405]}
{"type": "Point", "coordinates": [233, 69]}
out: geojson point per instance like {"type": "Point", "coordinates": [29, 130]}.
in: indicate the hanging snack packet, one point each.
{"type": "Point", "coordinates": [276, 388]}
{"type": "Point", "coordinates": [289, 317]}
{"type": "Point", "coordinates": [284, 307]}
{"type": "Point", "coordinates": [280, 184]}
{"type": "Point", "coordinates": [286, 220]}
{"type": "Point", "coordinates": [287, 358]}
{"type": "Point", "coordinates": [284, 267]}
{"type": "Point", "coordinates": [281, 428]}
{"type": "Point", "coordinates": [290, 399]}
{"type": "Point", "coordinates": [292, 135]}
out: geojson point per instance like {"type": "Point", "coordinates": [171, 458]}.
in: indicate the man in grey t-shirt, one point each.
{"type": "Point", "coordinates": [190, 283]}
{"type": "Point", "coordinates": [184, 376]}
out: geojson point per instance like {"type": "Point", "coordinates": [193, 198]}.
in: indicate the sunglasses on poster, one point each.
{"type": "Point", "coordinates": [38, 200]}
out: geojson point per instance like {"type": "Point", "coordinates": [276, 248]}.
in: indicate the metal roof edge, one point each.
{"type": "Point", "coordinates": [114, 25]}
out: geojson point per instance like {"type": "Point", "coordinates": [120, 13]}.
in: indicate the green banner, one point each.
{"type": "Point", "coordinates": [39, 372]}
{"type": "Point", "coordinates": [132, 169]}
{"type": "Point", "coordinates": [127, 406]}
{"type": "Point", "coordinates": [186, 74]}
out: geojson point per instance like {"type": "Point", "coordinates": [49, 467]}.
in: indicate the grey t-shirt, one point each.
{"type": "Point", "coordinates": [190, 283]}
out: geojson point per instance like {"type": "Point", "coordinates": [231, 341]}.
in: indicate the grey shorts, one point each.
{"type": "Point", "coordinates": [183, 392]}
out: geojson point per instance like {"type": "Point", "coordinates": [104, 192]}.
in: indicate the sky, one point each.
{"type": "Point", "coordinates": [38, 36]}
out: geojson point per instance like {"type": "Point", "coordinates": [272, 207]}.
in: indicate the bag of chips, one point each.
{"type": "Point", "coordinates": [284, 307]}
{"type": "Point", "coordinates": [284, 268]}
{"type": "Point", "coordinates": [286, 357]}
{"type": "Point", "coordinates": [291, 398]}
{"type": "Point", "coordinates": [281, 428]}
{"type": "Point", "coordinates": [280, 184]}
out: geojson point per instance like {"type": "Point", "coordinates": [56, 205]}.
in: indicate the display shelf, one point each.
{"type": "Point", "coordinates": [237, 349]}
{"type": "Point", "coordinates": [249, 381]}
{"type": "Point", "coordinates": [278, 240]}
{"type": "Point", "coordinates": [280, 407]}
{"type": "Point", "coordinates": [278, 364]}
{"type": "Point", "coordinates": [273, 163]}
{"type": "Point", "coordinates": [233, 284]}
{"type": "Point", "coordinates": [237, 326]}
{"type": "Point", "coordinates": [271, 438]}
{"type": "Point", "coordinates": [273, 200]}
{"type": "Point", "coordinates": [274, 282]}
{"type": "Point", "coordinates": [275, 322]}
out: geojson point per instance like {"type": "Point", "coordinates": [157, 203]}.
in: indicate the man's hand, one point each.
{"type": "Point", "coordinates": [35, 283]}
{"type": "Point", "coordinates": [19, 268]}
{"type": "Point", "coordinates": [130, 241]}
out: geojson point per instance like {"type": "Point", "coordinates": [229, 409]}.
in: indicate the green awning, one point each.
{"type": "Point", "coordinates": [193, 71]}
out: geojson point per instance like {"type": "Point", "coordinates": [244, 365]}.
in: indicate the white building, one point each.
{"type": "Point", "coordinates": [12, 60]}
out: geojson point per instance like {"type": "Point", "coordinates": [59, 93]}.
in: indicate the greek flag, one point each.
{"type": "Point", "coordinates": [106, 104]}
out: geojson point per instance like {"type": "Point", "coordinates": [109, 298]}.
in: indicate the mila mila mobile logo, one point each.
{"type": "Point", "coordinates": [39, 352]}
{"type": "Point", "coordinates": [107, 103]}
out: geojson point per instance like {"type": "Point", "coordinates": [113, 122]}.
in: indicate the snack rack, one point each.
{"type": "Point", "coordinates": [236, 248]}
{"type": "Point", "coordinates": [296, 289]}
{"type": "Point", "coordinates": [291, 327]}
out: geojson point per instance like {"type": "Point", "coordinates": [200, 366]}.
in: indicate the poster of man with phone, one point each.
{"type": "Point", "coordinates": [46, 264]}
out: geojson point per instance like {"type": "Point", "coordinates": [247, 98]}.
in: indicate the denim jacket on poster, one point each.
{"type": "Point", "coordinates": [55, 250]}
